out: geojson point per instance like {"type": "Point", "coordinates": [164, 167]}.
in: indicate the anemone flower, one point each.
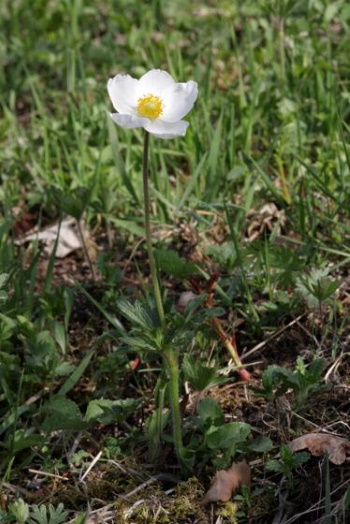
{"type": "Point", "coordinates": [155, 102]}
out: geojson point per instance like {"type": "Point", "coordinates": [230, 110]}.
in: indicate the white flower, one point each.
{"type": "Point", "coordinates": [155, 102]}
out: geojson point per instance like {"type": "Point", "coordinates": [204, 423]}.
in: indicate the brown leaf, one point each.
{"type": "Point", "coordinates": [226, 481]}
{"type": "Point", "coordinates": [318, 444]}
{"type": "Point", "coordinates": [69, 239]}
{"type": "Point", "coordinates": [263, 220]}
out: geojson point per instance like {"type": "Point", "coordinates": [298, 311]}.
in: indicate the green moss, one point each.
{"type": "Point", "coordinates": [179, 507]}
{"type": "Point", "coordinates": [229, 510]}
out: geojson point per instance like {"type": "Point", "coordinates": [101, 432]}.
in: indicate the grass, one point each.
{"type": "Point", "coordinates": [254, 199]}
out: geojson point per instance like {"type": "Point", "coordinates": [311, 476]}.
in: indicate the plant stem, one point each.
{"type": "Point", "coordinates": [85, 249]}
{"type": "Point", "coordinates": [172, 364]}
{"type": "Point", "coordinates": [109, 233]}
{"type": "Point", "coordinates": [285, 189]}
{"type": "Point", "coordinates": [147, 206]}
{"type": "Point", "coordinates": [170, 356]}
{"type": "Point", "coordinates": [281, 49]}
{"type": "Point", "coordinates": [230, 345]}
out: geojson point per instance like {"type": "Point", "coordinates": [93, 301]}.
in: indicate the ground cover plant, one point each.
{"type": "Point", "coordinates": [191, 365]}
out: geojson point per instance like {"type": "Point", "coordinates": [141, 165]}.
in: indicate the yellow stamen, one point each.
{"type": "Point", "coordinates": [150, 106]}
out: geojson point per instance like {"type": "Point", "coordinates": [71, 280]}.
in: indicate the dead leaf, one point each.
{"type": "Point", "coordinates": [68, 242]}
{"type": "Point", "coordinates": [265, 220]}
{"type": "Point", "coordinates": [226, 481]}
{"type": "Point", "coordinates": [184, 299]}
{"type": "Point", "coordinates": [318, 444]}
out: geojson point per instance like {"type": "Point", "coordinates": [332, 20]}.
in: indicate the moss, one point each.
{"type": "Point", "coordinates": [229, 510]}
{"type": "Point", "coordinates": [183, 507]}
{"type": "Point", "coordinates": [263, 504]}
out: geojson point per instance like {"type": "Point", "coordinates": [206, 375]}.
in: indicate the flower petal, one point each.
{"type": "Point", "coordinates": [178, 100]}
{"type": "Point", "coordinates": [123, 91]}
{"type": "Point", "coordinates": [155, 82]}
{"type": "Point", "coordinates": [128, 121]}
{"type": "Point", "coordinates": [163, 129]}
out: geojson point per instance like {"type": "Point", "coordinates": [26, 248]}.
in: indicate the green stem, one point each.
{"type": "Point", "coordinates": [281, 49]}
{"type": "Point", "coordinates": [151, 258]}
{"type": "Point", "coordinates": [171, 360]}
{"type": "Point", "coordinates": [170, 356]}
{"type": "Point", "coordinates": [284, 183]}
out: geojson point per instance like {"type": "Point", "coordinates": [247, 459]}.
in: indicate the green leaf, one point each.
{"type": "Point", "coordinates": [274, 465]}
{"type": "Point", "coordinates": [118, 158]}
{"type": "Point", "coordinates": [128, 225]}
{"type": "Point", "coordinates": [107, 411]}
{"type": "Point", "coordinates": [188, 459]}
{"type": "Point", "coordinates": [260, 444]}
{"type": "Point", "coordinates": [156, 423]}
{"type": "Point", "coordinates": [110, 318]}
{"type": "Point", "coordinates": [12, 417]}
{"type": "Point", "coordinates": [173, 265]}
{"type": "Point", "coordinates": [73, 202]}
{"type": "Point", "coordinates": [300, 458]}
{"type": "Point", "coordinates": [75, 376]}
{"type": "Point", "coordinates": [64, 369]}
{"type": "Point", "coordinates": [270, 377]}
{"type": "Point", "coordinates": [285, 258]}
{"type": "Point", "coordinates": [3, 279]}
{"type": "Point", "coordinates": [190, 186]}
{"type": "Point", "coordinates": [7, 327]}
{"type": "Point", "coordinates": [139, 314]}
{"type": "Point", "coordinates": [227, 435]}
{"type": "Point", "coordinates": [346, 499]}
{"type": "Point", "coordinates": [269, 183]}
{"type": "Point", "coordinates": [316, 368]}
{"type": "Point", "coordinates": [225, 254]}
{"type": "Point", "coordinates": [59, 334]}
{"type": "Point", "coordinates": [20, 510]}
{"type": "Point", "coordinates": [331, 11]}
{"type": "Point", "coordinates": [23, 439]}
{"type": "Point", "coordinates": [61, 413]}
{"type": "Point", "coordinates": [317, 286]}
{"type": "Point", "coordinates": [40, 515]}
{"type": "Point", "coordinates": [201, 377]}
{"type": "Point", "coordinates": [81, 518]}
{"type": "Point", "coordinates": [208, 410]}
{"type": "Point", "coordinates": [276, 380]}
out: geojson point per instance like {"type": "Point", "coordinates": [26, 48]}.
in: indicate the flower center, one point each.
{"type": "Point", "coordinates": [150, 106]}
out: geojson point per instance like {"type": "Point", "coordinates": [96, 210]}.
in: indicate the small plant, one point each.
{"type": "Point", "coordinates": [303, 381]}
{"type": "Point", "coordinates": [288, 463]}
{"type": "Point", "coordinates": [201, 377]}
{"type": "Point", "coordinates": [214, 440]}
{"type": "Point", "coordinates": [26, 514]}
{"type": "Point", "coordinates": [317, 287]}
{"type": "Point", "coordinates": [19, 510]}
{"type": "Point", "coordinates": [48, 514]}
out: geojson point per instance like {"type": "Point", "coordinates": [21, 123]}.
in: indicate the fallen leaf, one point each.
{"type": "Point", "coordinates": [69, 239]}
{"type": "Point", "coordinates": [265, 219]}
{"type": "Point", "coordinates": [226, 481]}
{"type": "Point", "coordinates": [184, 299]}
{"type": "Point", "coordinates": [337, 448]}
